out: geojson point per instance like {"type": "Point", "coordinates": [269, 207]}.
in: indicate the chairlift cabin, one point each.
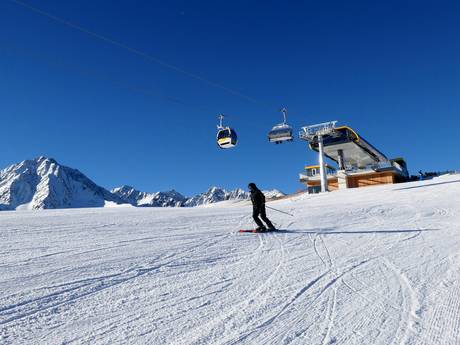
{"type": "Point", "coordinates": [281, 132]}
{"type": "Point", "coordinates": [226, 136]}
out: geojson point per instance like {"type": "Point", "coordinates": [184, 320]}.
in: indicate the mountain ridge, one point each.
{"type": "Point", "coordinates": [43, 183]}
{"type": "Point", "coordinates": [174, 199]}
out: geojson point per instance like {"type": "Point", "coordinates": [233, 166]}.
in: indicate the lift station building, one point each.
{"type": "Point", "coordinates": [359, 163]}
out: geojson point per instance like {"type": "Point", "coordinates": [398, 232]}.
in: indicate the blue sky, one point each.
{"type": "Point", "coordinates": [389, 69]}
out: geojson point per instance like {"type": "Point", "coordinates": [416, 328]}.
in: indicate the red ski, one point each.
{"type": "Point", "coordinates": [254, 231]}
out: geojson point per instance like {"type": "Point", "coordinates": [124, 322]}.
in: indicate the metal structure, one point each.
{"type": "Point", "coordinates": [315, 134]}
{"type": "Point", "coordinates": [281, 132]}
{"type": "Point", "coordinates": [349, 149]}
{"type": "Point", "coordinates": [226, 136]}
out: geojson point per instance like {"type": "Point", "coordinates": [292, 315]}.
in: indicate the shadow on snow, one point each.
{"type": "Point", "coordinates": [352, 232]}
{"type": "Point", "coordinates": [429, 185]}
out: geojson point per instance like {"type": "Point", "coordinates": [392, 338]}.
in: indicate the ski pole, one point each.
{"type": "Point", "coordinates": [274, 209]}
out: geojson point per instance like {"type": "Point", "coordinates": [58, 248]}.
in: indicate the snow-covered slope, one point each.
{"type": "Point", "coordinates": [377, 265]}
{"type": "Point", "coordinates": [143, 199]}
{"type": "Point", "coordinates": [43, 183]}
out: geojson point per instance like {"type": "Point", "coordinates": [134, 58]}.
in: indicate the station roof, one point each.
{"type": "Point", "coordinates": [317, 167]}
{"type": "Point", "coordinates": [357, 151]}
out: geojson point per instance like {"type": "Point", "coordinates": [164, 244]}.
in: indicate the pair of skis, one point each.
{"type": "Point", "coordinates": [255, 231]}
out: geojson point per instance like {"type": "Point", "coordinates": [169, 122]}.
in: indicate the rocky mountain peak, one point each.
{"type": "Point", "coordinates": [42, 183]}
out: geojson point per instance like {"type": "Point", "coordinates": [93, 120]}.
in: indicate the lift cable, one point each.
{"type": "Point", "coordinates": [97, 75]}
{"type": "Point", "coordinates": [140, 53]}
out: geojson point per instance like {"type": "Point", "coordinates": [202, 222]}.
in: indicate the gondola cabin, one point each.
{"type": "Point", "coordinates": [280, 133]}
{"type": "Point", "coordinates": [226, 138]}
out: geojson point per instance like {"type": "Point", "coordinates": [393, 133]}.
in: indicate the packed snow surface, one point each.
{"type": "Point", "coordinates": [377, 265]}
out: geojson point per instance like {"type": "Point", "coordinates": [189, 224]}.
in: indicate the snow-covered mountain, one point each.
{"type": "Point", "coordinates": [43, 183]}
{"type": "Point", "coordinates": [142, 199]}
{"type": "Point", "coordinates": [215, 194]}
{"type": "Point", "coordinates": [273, 194]}
{"type": "Point", "coordinates": [175, 199]}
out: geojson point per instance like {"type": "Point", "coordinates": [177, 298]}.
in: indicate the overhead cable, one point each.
{"type": "Point", "coordinates": [138, 52]}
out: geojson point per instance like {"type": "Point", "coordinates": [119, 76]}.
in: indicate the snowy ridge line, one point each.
{"type": "Point", "coordinates": [175, 199]}
{"type": "Point", "coordinates": [43, 183]}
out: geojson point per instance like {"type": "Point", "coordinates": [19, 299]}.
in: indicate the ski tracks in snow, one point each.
{"type": "Point", "coordinates": [69, 292]}
{"type": "Point", "coordinates": [270, 254]}
{"type": "Point", "coordinates": [349, 270]}
{"type": "Point", "coordinates": [443, 310]}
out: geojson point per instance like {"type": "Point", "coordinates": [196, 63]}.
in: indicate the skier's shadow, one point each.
{"type": "Point", "coordinates": [351, 232]}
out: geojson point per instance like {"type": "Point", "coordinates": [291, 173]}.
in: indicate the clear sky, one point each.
{"type": "Point", "coordinates": [389, 69]}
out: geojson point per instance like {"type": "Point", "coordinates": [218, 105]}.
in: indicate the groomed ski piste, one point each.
{"type": "Point", "coordinates": [377, 265]}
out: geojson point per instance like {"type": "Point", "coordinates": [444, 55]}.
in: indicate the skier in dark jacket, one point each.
{"type": "Point", "coordinates": [258, 208]}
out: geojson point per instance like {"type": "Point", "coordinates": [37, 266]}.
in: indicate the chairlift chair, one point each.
{"type": "Point", "coordinates": [281, 132]}
{"type": "Point", "coordinates": [226, 136]}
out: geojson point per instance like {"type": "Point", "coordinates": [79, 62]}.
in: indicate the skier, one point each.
{"type": "Point", "coordinates": [421, 175]}
{"type": "Point", "coordinates": [258, 208]}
